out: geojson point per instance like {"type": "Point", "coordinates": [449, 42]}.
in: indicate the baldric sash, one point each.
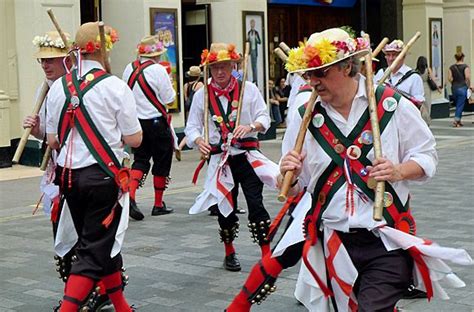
{"type": "Point", "coordinates": [138, 76]}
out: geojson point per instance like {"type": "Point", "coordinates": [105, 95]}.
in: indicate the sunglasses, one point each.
{"type": "Point", "coordinates": [319, 73]}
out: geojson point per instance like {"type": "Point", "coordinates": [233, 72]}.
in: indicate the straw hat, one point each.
{"type": "Point", "coordinates": [150, 46]}
{"type": "Point", "coordinates": [324, 49]}
{"type": "Point", "coordinates": [88, 38]}
{"type": "Point", "coordinates": [194, 71]}
{"type": "Point", "coordinates": [219, 53]}
{"type": "Point", "coordinates": [50, 45]}
{"type": "Point", "coordinates": [395, 46]}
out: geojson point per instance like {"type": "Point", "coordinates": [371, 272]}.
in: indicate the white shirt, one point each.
{"type": "Point", "coordinates": [254, 110]}
{"type": "Point", "coordinates": [413, 85]}
{"type": "Point", "coordinates": [406, 137]}
{"type": "Point", "coordinates": [160, 82]}
{"type": "Point", "coordinates": [112, 108]}
{"type": "Point", "coordinates": [295, 81]}
{"type": "Point", "coordinates": [42, 111]}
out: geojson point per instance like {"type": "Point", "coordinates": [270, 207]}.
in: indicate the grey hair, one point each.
{"type": "Point", "coordinates": [355, 68]}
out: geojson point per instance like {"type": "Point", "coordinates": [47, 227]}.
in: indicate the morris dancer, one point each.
{"type": "Point", "coordinates": [369, 264]}
{"type": "Point", "coordinates": [152, 89]}
{"type": "Point", "coordinates": [234, 156]}
{"type": "Point", "coordinates": [91, 114]}
{"type": "Point", "coordinates": [403, 77]}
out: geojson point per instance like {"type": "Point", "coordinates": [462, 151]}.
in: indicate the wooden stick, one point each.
{"type": "Point", "coordinates": [46, 157]}
{"type": "Point", "coordinates": [284, 47]}
{"type": "Point", "coordinates": [281, 54]}
{"type": "Point", "coordinates": [103, 50]}
{"type": "Point", "coordinates": [244, 79]}
{"type": "Point", "coordinates": [374, 122]}
{"type": "Point", "coordinates": [379, 47]}
{"type": "Point", "coordinates": [206, 109]}
{"type": "Point", "coordinates": [399, 58]}
{"type": "Point", "coordinates": [288, 178]}
{"type": "Point", "coordinates": [26, 133]}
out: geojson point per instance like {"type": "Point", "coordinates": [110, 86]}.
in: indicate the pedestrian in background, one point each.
{"type": "Point", "coordinates": [425, 72]}
{"type": "Point", "coordinates": [275, 104]}
{"type": "Point", "coordinates": [459, 75]}
{"type": "Point", "coordinates": [194, 75]}
{"type": "Point", "coordinates": [282, 91]}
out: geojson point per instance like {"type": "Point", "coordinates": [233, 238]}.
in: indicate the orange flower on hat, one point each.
{"type": "Point", "coordinates": [204, 55]}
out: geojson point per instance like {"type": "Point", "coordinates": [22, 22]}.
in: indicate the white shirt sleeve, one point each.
{"type": "Point", "coordinates": [416, 142]}
{"type": "Point", "coordinates": [257, 104]}
{"type": "Point", "coordinates": [55, 103]}
{"type": "Point", "coordinates": [417, 90]}
{"type": "Point", "coordinates": [159, 80]}
{"type": "Point", "coordinates": [126, 113]}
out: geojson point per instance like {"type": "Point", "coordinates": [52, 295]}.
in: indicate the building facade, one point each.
{"type": "Point", "coordinates": [188, 26]}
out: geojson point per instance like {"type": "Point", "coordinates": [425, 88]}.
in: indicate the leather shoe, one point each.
{"type": "Point", "coordinates": [158, 211]}
{"type": "Point", "coordinates": [413, 293]}
{"type": "Point", "coordinates": [213, 210]}
{"type": "Point", "coordinates": [134, 212]}
{"type": "Point", "coordinates": [240, 210]}
{"type": "Point", "coordinates": [231, 263]}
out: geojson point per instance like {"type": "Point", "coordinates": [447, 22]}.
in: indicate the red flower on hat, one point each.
{"type": "Point", "coordinates": [90, 47]}
{"type": "Point", "coordinates": [341, 45]}
{"type": "Point", "coordinates": [234, 55]}
{"type": "Point", "coordinates": [141, 49]}
{"type": "Point", "coordinates": [212, 57]}
{"type": "Point", "coordinates": [204, 55]}
{"type": "Point", "coordinates": [315, 61]}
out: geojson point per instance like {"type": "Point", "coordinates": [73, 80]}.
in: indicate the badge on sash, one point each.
{"type": "Point", "coordinates": [371, 183]}
{"type": "Point", "coordinates": [387, 199]}
{"type": "Point", "coordinates": [390, 104]}
{"type": "Point", "coordinates": [318, 120]}
{"type": "Point", "coordinates": [339, 148]}
{"type": "Point", "coordinates": [366, 137]}
{"type": "Point", "coordinates": [75, 101]}
{"type": "Point", "coordinates": [353, 152]}
{"type": "Point", "coordinates": [214, 118]}
{"type": "Point", "coordinates": [234, 104]}
{"type": "Point", "coordinates": [90, 77]}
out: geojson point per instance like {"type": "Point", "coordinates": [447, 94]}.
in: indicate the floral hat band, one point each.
{"type": "Point", "coordinates": [219, 52]}
{"type": "Point", "coordinates": [50, 45]}
{"type": "Point", "coordinates": [88, 38]}
{"type": "Point", "coordinates": [324, 49]}
{"type": "Point", "coordinates": [150, 46]}
{"type": "Point", "coordinates": [395, 46]}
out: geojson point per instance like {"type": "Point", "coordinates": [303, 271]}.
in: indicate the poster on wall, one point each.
{"type": "Point", "coordinates": [436, 49]}
{"type": "Point", "coordinates": [254, 33]}
{"type": "Point", "coordinates": [164, 24]}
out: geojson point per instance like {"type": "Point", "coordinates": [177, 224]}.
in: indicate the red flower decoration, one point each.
{"type": "Point", "coordinates": [212, 57]}
{"type": "Point", "coordinates": [234, 56]}
{"type": "Point", "coordinates": [315, 62]}
{"type": "Point", "coordinates": [141, 49]}
{"type": "Point", "coordinates": [204, 55]}
{"type": "Point", "coordinates": [90, 47]}
{"type": "Point", "coordinates": [341, 45]}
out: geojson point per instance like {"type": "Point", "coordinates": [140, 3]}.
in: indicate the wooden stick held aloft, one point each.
{"type": "Point", "coordinates": [103, 50]}
{"type": "Point", "coordinates": [26, 133]}
{"type": "Point", "coordinates": [379, 47]}
{"type": "Point", "coordinates": [206, 109]}
{"type": "Point", "coordinates": [244, 79]}
{"type": "Point", "coordinates": [374, 122]}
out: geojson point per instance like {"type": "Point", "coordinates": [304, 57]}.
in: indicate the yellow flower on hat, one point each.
{"type": "Point", "coordinates": [327, 51]}
{"type": "Point", "coordinates": [296, 59]}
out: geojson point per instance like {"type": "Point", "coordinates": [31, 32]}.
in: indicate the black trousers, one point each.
{"type": "Point", "coordinates": [156, 145]}
{"type": "Point", "coordinates": [252, 187]}
{"type": "Point", "coordinates": [91, 198]}
{"type": "Point", "coordinates": [383, 275]}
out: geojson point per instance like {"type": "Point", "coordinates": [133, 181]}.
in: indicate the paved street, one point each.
{"type": "Point", "coordinates": [175, 261]}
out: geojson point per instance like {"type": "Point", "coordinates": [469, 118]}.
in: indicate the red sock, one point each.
{"type": "Point", "coordinates": [136, 176]}
{"type": "Point", "coordinates": [229, 249]}
{"type": "Point", "coordinates": [77, 288]}
{"type": "Point", "coordinates": [113, 284]}
{"type": "Point", "coordinates": [255, 279]}
{"type": "Point", "coordinates": [265, 249]}
{"type": "Point", "coordinates": [159, 183]}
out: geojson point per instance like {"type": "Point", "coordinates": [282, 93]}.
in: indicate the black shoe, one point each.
{"type": "Point", "coordinates": [134, 212]}
{"type": "Point", "coordinates": [158, 211]}
{"type": "Point", "coordinates": [58, 307]}
{"type": "Point", "coordinates": [231, 263]}
{"type": "Point", "coordinates": [240, 210]}
{"type": "Point", "coordinates": [101, 302]}
{"type": "Point", "coordinates": [413, 293]}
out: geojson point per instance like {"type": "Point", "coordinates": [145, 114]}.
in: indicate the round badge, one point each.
{"type": "Point", "coordinates": [366, 137]}
{"type": "Point", "coordinates": [390, 104]}
{"type": "Point", "coordinates": [219, 119]}
{"type": "Point", "coordinates": [214, 118]}
{"type": "Point", "coordinates": [387, 199]}
{"type": "Point", "coordinates": [339, 148]}
{"type": "Point", "coordinates": [371, 183]}
{"type": "Point", "coordinates": [89, 77]}
{"type": "Point", "coordinates": [74, 100]}
{"type": "Point", "coordinates": [353, 152]}
{"type": "Point", "coordinates": [318, 120]}
{"type": "Point", "coordinates": [363, 172]}
{"type": "Point", "coordinates": [322, 198]}
{"type": "Point", "coordinates": [234, 104]}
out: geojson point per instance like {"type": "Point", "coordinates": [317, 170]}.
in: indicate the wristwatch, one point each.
{"type": "Point", "coordinates": [253, 127]}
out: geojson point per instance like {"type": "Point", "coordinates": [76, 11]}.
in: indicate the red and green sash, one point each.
{"type": "Point", "coordinates": [75, 114]}
{"type": "Point", "coordinates": [328, 135]}
{"type": "Point", "coordinates": [138, 76]}
{"type": "Point", "coordinates": [225, 122]}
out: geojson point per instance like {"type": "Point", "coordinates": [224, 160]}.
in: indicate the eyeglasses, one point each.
{"type": "Point", "coordinates": [320, 73]}
{"type": "Point", "coordinates": [45, 60]}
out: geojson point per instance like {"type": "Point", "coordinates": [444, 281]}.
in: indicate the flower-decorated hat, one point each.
{"type": "Point", "coordinates": [194, 71]}
{"type": "Point", "coordinates": [324, 49]}
{"type": "Point", "coordinates": [88, 38]}
{"type": "Point", "coordinates": [219, 52]}
{"type": "Point", "coordinates": [395, 46]}
{"type": "Point", "coordinates": [150, 46]}
{"type": "Point", "coordinates": [50, 45]}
